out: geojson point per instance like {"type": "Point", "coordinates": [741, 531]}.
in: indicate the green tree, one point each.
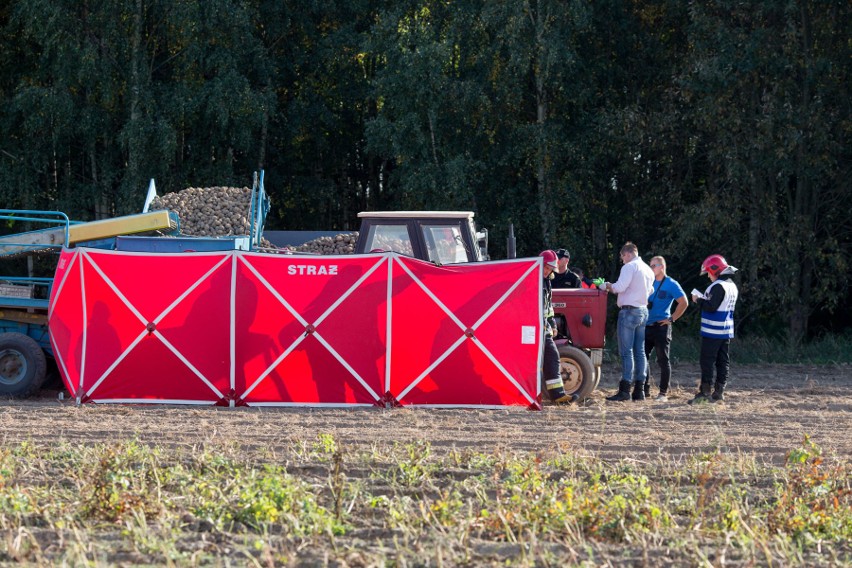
{"type": "Point", "coordinates": [111, 94]}
{"type": "Point", "coordinates": [768, 93]}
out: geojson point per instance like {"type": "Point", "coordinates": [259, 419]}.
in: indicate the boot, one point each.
{"type": "Point", "coordinates": [623, 392]}
{"type": "Point", "coordinates": [556, 391]}
{"type": "Point", "coordinates": [640, 391]}
{"type": "Point", "coordinates": [703, 394]}
{"type": "Point", "coordinates": [567, 399]}
{"type": "Point", "coordinates": [718, 393]}
{"type": "Point", "coordinates": [648, 388]}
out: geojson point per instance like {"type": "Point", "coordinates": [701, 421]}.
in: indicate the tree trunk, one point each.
{"type": "Point", "coordinates": [545, 205]}
{"type": "Point", "coordinates": [802, 215]}
{"type": "Point", "coordinates": [133, 145]}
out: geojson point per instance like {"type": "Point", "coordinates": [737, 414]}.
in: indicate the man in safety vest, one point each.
{"type": "Point", "coordinates": [550, 359]}
{"type": "Point", "coordinates": [717, 326]}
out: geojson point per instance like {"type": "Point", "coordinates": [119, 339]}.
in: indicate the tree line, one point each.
{"type": "Point", "coordinates": [688, 127]}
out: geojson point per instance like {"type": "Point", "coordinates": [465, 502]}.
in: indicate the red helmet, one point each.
{"type": "Point", "coordinates": [714, 264]}
{"type": "Point", "coordinates": [549, 258]}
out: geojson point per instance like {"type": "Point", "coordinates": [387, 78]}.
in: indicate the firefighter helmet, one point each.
{"type": "Point", "coordinates": [549, 258]}
{"type": "Point", "coordinates": [716, 264]}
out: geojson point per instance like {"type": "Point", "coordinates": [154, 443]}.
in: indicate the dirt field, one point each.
{"type": "Point", "coordinates": [768, 412]}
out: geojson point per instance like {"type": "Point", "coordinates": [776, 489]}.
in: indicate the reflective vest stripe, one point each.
{"type": "Point", "coordinates": [720, 324]}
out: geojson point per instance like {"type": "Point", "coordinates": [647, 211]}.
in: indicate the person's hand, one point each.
{"type": "Point", "coordinates": [664, 322]}
{"type": "Point", "coordinates": [695, 298]}
{"type": "Point", "coordinates": [554, 331]}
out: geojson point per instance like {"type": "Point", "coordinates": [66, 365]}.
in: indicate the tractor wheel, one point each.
{"type": "Point", "coordinates": [23, 365]}
{"type": "Point", "coordinates": [577, 370]}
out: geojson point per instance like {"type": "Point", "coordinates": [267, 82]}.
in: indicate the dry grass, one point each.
{"type": "Point", "coordinates": [760, 480]}
{"type": "Point", "coordinates": [405, 504]}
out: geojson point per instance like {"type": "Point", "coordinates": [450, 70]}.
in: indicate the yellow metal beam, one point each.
{"type": "Point", "coordinates": [127, 225]}
{"type": "Point", "coordinates": [23, 316]}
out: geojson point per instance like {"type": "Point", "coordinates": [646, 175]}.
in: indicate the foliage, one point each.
{"type": "Point", "coordinates": [687, 127]}
{"type": "Point", "coordinates": [828, 349]}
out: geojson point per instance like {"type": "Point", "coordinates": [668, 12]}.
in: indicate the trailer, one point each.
{"type": "Point", "coordinates": [24, 338]}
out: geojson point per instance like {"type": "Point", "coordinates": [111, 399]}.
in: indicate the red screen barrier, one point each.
{"type": "Point", "coordinates": [238, 328]}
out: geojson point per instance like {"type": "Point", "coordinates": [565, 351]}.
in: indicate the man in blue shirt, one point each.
{"type": "Point", "coordinates": [658, 330]}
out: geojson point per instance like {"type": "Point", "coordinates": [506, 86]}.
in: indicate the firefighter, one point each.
{"type": "Point", "coordinates": [550, 359]}
{"type": "Point", "coordinates": [717, 327]}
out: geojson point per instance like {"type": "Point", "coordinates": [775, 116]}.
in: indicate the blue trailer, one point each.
{"type": "Point", "coordinates": [24, 337]}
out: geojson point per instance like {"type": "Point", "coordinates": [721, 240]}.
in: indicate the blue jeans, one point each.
{"type": "Point", "coordinates": [631, 343]}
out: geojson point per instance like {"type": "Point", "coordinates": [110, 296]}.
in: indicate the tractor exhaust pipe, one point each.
{"type": "Point", "coordinates": [511, 252]}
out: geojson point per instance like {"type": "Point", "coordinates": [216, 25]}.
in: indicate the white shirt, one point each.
{"type": "Point", "coordinates": [635, 283]}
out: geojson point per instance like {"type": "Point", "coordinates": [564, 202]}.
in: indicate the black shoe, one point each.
{"type": "Point", "coordinates": [639, 391]}
{"type": "Point", "coordinates": [703, 394]}
{"type": "Point", "coordinates": [623, 392]}
{"type": "Point", "coordinates": [648, 388]}
{"type": "Point", "coordinates": [718, 393]}
{"type": "Point", "coordinates": [700, 398]}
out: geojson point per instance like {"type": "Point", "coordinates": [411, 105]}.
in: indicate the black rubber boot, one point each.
{"type": "Point", "coordinates": [623, 392]}
{"type": "Point", "coordinates": [559, 396]}
{"type": "Point", "coordinates": [639, 391]}
{"type": "Point", "coordinates": [648, 388]}
{"type": "Point", "coordinates": [703, 394]}
{"type": "Point", "coordinates": [718, 393]}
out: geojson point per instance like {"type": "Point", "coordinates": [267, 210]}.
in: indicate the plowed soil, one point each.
{"type": "Point", "coordinates": [769, 410]}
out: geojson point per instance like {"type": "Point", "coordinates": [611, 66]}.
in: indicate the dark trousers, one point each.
{"type": "Point", "coordinates": [551, 374]}
{"type": "Point", "coordinates": [659, 338]}
{"type": "Point", "coordinates": [714, 353]}
{"type": "Point", "coordinates": [550, 361]}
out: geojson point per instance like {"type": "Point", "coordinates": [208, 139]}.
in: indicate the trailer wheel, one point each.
{"type": "Point", "coordinates": [23, 366]}
{"type": "Point", "coordinates": [578, 373]}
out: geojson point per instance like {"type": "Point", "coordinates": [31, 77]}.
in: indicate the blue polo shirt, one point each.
{"type": "Point", "coordinates": [665, 292]}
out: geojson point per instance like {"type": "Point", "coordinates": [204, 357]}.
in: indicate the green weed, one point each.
{"type": "Point", "coordinates": [317, 504]}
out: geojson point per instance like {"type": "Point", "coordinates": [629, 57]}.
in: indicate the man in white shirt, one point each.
{"type": "Point", "coordinates": [635, 283]}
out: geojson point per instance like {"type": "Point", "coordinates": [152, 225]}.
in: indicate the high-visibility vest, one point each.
{"type": "Point", "coordinates": [720, 324]}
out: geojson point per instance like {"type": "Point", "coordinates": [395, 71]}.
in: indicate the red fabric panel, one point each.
{"type": "Point", "coordinates": [194, 325]}
{"type": "Point", "coordinates": [66, 318]}
{"type": "Point", "coordinates": [152, 372]}
{"type": "Point", "coordinates": [305, 330]}
{"type": "Point", "coordinates": [468, 376]}
{"type": "Point", "coordinates": [353, 329]}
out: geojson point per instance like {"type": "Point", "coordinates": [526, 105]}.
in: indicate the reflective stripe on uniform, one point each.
{"type": "Point", "coordinates": [720, 324]}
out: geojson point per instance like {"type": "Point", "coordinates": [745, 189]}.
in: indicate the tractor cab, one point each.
{"type": "Point", "coordinates": [442, 237]}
